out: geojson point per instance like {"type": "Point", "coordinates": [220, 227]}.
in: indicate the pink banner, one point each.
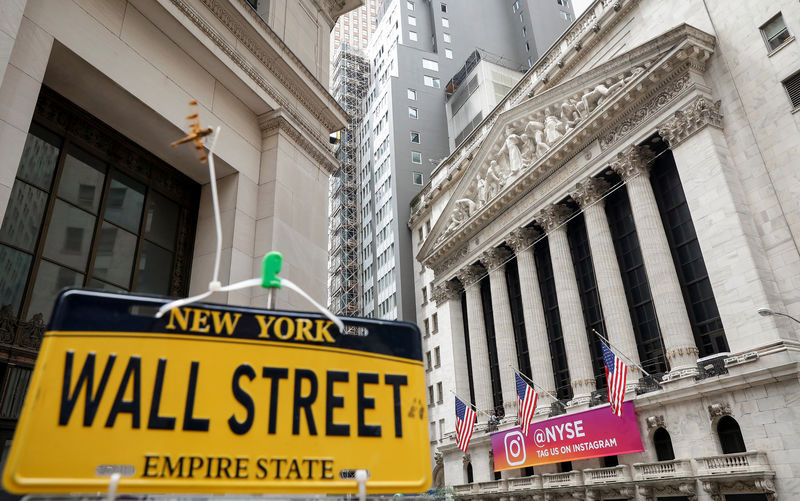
{"type": "Point", "coordinates": [584, 435]}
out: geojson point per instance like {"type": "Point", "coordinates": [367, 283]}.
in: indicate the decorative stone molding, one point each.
{"type": "Point", "coordinates": [633, 161]}
{"type": "Point", "coordinates": [494, 258]}
{"type": "Point", "coordinates": [750, 356]}
{"type": "Point", "coordinates": [470, 275]}
{"type": "Point", "coordinates": [644, 112]}
{"type": "Point", "coordinates": [522, 238]}
{"type": "Point", "coordinates": [274, 54]}
{"type": "Point", "coordinates": [688, 121]}
{"type": "Point", "coordinates": [655, 422]}
{"type": "Point", "coordinates": [553, 216]}
{"type": "Point", "coordinates": [446, 291]}
{"type": "Point", "coordinates": [270, 122]}
{"type": "Point", "coordinates": [589, 191]}
{"type": "Point", "coordinates": [719, 409]}
{"type": "Point", "coordinates": [450, 262]}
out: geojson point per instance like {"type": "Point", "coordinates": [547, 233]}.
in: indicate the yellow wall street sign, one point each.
{"type": "Point", "coordinates": [217, 399]}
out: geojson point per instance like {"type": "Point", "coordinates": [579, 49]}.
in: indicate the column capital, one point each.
{"type": "Point", "coordinates": [684, 123]}
{"type": "Point", "coordinates": [522, 238]}
{"type": "Point", "coordinates": [446, 291]}
{"type": "Point", "coordinates": [470, 274]}
{"type": "Point", "coordinates": [589, 191]}
{"type": "Point", "coordinates": [633, 161]}
{"type": "Point", "coordinates": [552, 216]}
{"type": "Point", "coordinates": [494, 258]}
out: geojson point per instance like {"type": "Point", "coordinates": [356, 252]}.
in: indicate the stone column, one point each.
{"type": "Point", "coordinates": [448, 305]}
{"type": "Point", "coordinates": [569, 303]}
{"type": "Point", "coordinates": [479, 347]}
{"type": "Point", "coordinates": [495, 262]}
{"type": "Point", "coordinates": [633, 165]}
{"type": "Point", "coordinates": [616, 314]}
{"type": "Point", "coordinates": [521, 240]}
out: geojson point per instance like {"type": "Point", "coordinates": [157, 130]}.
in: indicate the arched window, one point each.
{"type": "Point", "coordinates": [663, 445]}
{"type": "Point", "coordinates": [730, 436]}
{"type": "Point", "coordinates": [469, 473]}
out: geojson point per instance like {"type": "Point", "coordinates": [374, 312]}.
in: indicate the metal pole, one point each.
{"type": "Point", "coordinates": [621, 353]}
{"type": "Point", "coordinates": [526, 378]}
{"type": "Point", "coordinates": [271, 298]}
{"type": "Point", "coordinates": [466, 401]}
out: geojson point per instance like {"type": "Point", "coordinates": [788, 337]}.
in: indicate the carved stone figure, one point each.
{"type": "Point", "coordinates": [493, 181]}
{"type": "Point", "coordinates": [511, 147]}
{"type": "Point", "coordinates": [553, 129]}
{"type": "Point", "coordinates": [534, 133]}
{"type": "Point", "coordinates": [462, 209]}
{"type": "Point", "coordinates": [569, 114]}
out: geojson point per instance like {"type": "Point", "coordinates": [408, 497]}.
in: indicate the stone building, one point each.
{"type": "Point", "coordinates": [91, 194]}
{"type": "Point", "coordinates": [641, 181]}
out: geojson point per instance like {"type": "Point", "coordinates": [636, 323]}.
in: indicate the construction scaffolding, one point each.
{"type": "Point", "coordinates": [350, 86]}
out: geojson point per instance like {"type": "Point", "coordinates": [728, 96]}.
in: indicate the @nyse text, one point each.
{"type": "Point", "coordinates": [515, 448]}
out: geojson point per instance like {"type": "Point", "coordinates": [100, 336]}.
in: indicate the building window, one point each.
{"type": "Point", "coordinates": [521, 17]}
{"type": "Point", "coordinates": [439, 392]}
{"type": "Point", "coordinates": [555, 336]}
{"type": "Point", "coordinates": [565, 16]}
{"type": "Point", "coordinates": [530, 63]}
{"type": "Point", "coordinates": [445, 22]}
{"type": "Point", "coordinates": [416, 178]}
{"type": "Point", "coordinates": [663, 445]}
{"type": "Point", "coordinates": [412, 21]}
{"type": "Point", "coordinates": [730, 436]}
{"type": "Point", "coordinates": [415, 137]}
{"type": "Point", "coordinates": [527, 46]}
{"type": "Point", "coordinates": [698, 296]}
{"type": "Point", "coordinates": [410, 5]}
{"type": "Point", "coordinates": [412, 112]}
{"type": "Point", "coordinates": [634, 280]}
{"type": "Point", "coordinates": [430, 396]}
{"type": "Point", "coordinates": [446, 37]}
{"type": "Point", "coordinates": [431, 81]}
{"type": "Point", "coordinates": [427, 324]}
{"type": "Point", "coordinates": [412, 94]}
{"type": "Point", "coordinates": [412, 35]}
{"type": "Point", "coordinates": [792, 86]}
{"type": "Point", "coordinates": [424, 294]}
{"type": "Point", "coordinates": [435, 323]}
{"type": "Point", "coordinates": [516, 5]}
{"type": "Point", "coordinates": [416, 157]}
{"type": "Point", "coordinates": [444, 7]}
{"type": "Point", "coordinates": [430, 65]}
{"type": "Point", "coordinates": [562, 3]}
{"type": "Point", "coordinates": [448, 54]}
{"type": "Point", "coordinates": [774, 32]}
{"type": "Point", "coordinates": [524, 31]}
{"type": "Point", "coordinates": [79, 216]}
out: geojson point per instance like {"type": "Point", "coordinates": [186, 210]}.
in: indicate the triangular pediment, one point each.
{"type": "Point", "coordinates": [527, 142]}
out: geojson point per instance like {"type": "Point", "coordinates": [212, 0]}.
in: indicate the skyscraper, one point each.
{"type": "Point", "coordinates": [416, 49]}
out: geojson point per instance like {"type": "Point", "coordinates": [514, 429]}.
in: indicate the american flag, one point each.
{"type": "Point", "coordinates": [465, 423]}
{"type": "Point", "coordinates": [527, 403]}
{"type": "Point", "coordinates": [616, 377]}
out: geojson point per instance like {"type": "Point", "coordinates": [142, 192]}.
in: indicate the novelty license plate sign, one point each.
{"type": "Point", "coordinates": [218, 399]}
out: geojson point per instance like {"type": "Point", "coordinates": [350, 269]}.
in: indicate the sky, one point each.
{"type": "Point", "coordinates": [579, 6]}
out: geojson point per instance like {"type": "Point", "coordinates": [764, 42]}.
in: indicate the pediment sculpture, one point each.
{"type": "Point", "coordinates": [521, 149]}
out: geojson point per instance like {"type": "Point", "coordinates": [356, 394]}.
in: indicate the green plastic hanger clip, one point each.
{"type": "Point", "coordinates": [270, 267]}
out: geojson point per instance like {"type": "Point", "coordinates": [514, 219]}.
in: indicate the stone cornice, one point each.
{"type": "Point", "coordinates": [299, 85]}
{"type": "Point", "coordinates": [680, 48]}
{"type": "Point", "coordinates": [572, 48]}
{"type": "Point", "coordinates": [688, 121]}
{"type": "Point", "coordinates": [275, 120]}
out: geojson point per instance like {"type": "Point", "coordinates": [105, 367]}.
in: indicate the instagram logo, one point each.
{"type": "Point", "coordinates": [515, 448]}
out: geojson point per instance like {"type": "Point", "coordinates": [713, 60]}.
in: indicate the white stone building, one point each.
{"type": "Point", "coordinates": [641, 180]}
{"type": "Point", "coordinates": [92, 93]}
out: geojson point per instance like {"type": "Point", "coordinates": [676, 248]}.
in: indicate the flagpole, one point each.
{"type": "Point", "coordinates": [526, 378]}
{"type": "Point", "coordinates": [466, 401]}
{"type": "Point", "coordinates": [605, 339]}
